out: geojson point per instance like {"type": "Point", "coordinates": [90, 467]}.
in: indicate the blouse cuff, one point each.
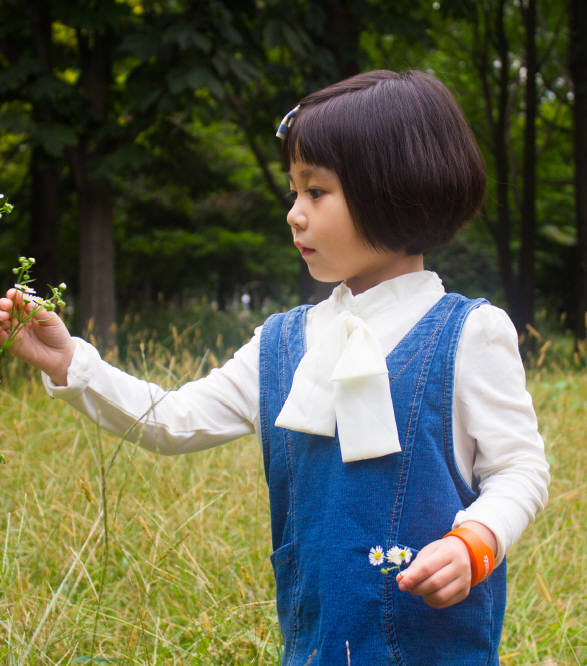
{"type": "Point", "coordinates": [79, 372]}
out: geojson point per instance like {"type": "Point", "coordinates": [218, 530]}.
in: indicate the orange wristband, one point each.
{"type": "Point", "coordinates": [482, 559]}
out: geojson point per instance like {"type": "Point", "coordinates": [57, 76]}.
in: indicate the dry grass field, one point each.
{"type": "Point", "coordinates": [110, 554]}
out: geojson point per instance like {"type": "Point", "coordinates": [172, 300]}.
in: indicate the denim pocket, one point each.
{"type": "Point", "coordinates": [284, 569]}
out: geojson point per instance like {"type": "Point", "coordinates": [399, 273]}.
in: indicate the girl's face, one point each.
{"type": "Point", "coordinates": [326, 236]}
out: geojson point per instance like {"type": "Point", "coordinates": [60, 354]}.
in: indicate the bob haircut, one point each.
{"type": "Point", "coordinates": [410, 169]}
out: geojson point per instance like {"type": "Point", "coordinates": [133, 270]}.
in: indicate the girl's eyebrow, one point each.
{"type": "Point", "coordinates": [306, 173]}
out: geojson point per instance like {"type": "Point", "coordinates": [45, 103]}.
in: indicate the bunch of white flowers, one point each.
{"type": "Point", "coordinates": [395, 556]}
{"type": "Point", "coordinates": [21, 315]}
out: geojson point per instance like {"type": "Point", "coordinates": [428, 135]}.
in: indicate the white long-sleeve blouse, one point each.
{"type": "Point", "coordinates": [497, 445]}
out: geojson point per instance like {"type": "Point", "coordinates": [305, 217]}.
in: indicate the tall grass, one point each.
{"type": "Point", "coordinates": [108, 552]}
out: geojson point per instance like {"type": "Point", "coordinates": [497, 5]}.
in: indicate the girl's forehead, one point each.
{"type": "Point", "coordinates": [300, 170]}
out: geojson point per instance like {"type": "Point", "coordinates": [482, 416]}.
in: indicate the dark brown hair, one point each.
{"type": "Point", "coordinates": [410, 169]}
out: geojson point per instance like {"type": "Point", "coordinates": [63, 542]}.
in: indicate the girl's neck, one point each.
{"type": "Point", "coordinates": [398, 264]}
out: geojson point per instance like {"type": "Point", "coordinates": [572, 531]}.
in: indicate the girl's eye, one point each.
{"type": "Point", "coordinates": [312, 192]}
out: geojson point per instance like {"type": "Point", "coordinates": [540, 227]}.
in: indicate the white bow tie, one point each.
{"type": "Point", "coordinates": [342, 380]}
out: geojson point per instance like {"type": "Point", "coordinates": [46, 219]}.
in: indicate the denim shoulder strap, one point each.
{"type": "Point", "coordinates": [283, 344]}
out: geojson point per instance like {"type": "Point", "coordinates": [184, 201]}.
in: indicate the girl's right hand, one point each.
{"type": "Point", "coordinates": [44, 342]}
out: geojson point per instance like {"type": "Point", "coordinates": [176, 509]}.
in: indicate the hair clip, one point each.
{"type": "Point", "coordinates": [285, 124]}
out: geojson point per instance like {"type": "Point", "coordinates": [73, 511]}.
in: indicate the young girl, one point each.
{"type": "Point", "coordinates": [393, 417]}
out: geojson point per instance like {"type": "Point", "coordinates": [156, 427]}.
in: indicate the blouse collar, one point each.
{"type": "Point", "coordinates": [341, 383]}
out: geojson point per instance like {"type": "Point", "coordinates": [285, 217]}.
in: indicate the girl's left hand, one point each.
{"type": "Point", "coordinates": [441, 572]}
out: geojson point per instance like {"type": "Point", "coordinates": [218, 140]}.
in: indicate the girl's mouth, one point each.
{"type": "Point", "coordinates": [304, 251]}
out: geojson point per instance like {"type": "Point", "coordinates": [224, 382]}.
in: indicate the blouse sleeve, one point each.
{"type": "Point", "coordinates": [492, 403]}
{"type": "Point", "coordinates": [203, 413]}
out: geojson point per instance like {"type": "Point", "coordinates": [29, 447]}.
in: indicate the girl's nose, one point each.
{"type": "Point", "coordinates": [296, 218]}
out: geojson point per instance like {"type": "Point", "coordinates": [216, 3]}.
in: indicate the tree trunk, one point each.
{"type": "Point", "coordinates": [96, 294]}
{"type": "Point", "coordinates": [578, 68]}
{"type": "Point", "coordinates": [44, 226]}
{"type": "Point", "coordinates": [524, 312]}
{"type": "Point", "coordinates": [502, 165]}
{"type": "Point", "coordinates": [96, 303]}
{"type": "Point", "coordinates": [45, 170]}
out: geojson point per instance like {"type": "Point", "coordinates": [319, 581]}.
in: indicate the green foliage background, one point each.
{"type": "Point", "coordinates": [186, 141]}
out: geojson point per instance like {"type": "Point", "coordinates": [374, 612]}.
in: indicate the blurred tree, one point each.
{"type": "Point", "coordinates": [122, 66]}
{"type": "Point", "coordinates": [27, 56]}
{"type": "Point", "coordinates": [516, 96]}
{"type": "Point", "coordinates": [524, 312]}
{"type": "Point", "coordinates": [578, 69]}
{"type": "Point", "coordinates": [161, 115]}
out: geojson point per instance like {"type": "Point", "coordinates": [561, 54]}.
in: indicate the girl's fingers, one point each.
{"type": "Point", "coordinates": [14, 308]}
{"type": "Point", "coordinates": [429, 560]}
{"type": "Point", "coordinates": [440, 574]}
{"type": "Point", "coordinates": [438, 556]}
{"type": "Point", "coordinates": [6, 308]}
{"type": "Point", "coordinates": [5, 304]}
{"type": "Point", "coordinates": [426, 577]}
{"type": "Point", "coordinates": [440, 586]}
{"type": "Point", "coordinates": [13, 294]}
{"type": "Point", "coordinates": [14, 298]}
{"type": "Point", "coordinates": [440, 579]}
{"type": "Point", "coordinates": [448, 595]}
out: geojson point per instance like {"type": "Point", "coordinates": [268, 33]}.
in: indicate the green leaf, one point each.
{"type": "Point", "coordinates": [143, 45]}
{"type": "Point", "coordinates": [243, 70]}
{"type": "Point", "coordinates": [230, 34]}
{"type": "Point", "coordinates": [47, 87]}
{"type": "Point", "coordinates": [127, 158]}
{"type": "Point", "coordinates": [272, 33]}
{"type": "Point", "coordinates": [293, 41]}
{"type": "Point", "coordinates": [184, 78]}
{"type": "Point", "coordinates": [184, 37]}
{"type": "Point", "coordinates": [17, 74]}
{"type": "Point", "coordinates": [215, 87]}
{"type": "Point", "coordinates": [54, 137]}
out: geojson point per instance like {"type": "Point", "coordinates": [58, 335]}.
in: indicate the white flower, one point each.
{"type": "Point", "coordinates": [25, 289]}
{"type": "Point", "coordinates": [62, 286]}
{"type": "Point", "coordinates": [394, 556]}
{"type": "Point", "coordinates": [376, 557]}
{"type": "Point", "coordinates": [37, 300]}
{"type": "Point", "coordinates": [399, 556]}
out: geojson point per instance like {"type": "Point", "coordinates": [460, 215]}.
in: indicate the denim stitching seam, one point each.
{"type": "Point", "coordinates": [390, 628]}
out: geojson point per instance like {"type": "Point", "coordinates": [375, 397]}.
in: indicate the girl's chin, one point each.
{"type": "Point", "coordinates": [325, 277]}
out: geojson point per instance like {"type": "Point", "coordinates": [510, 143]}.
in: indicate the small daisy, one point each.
{"type": "Point", "coordinates": [407, 555]}
{"type": "Point", "coordinates": [394, 555]}
{"type": "Point", "coordinates": [37, 300]}
{"type": "Point", "coordinates": [376, 557]}
{"type": "Point", "coordinates": [399, 556]}
{"type": "Point", "coordinates": [24, 288]}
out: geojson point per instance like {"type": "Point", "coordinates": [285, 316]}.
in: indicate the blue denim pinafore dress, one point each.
{"type": "Point", "coordinates": [326, 514]}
